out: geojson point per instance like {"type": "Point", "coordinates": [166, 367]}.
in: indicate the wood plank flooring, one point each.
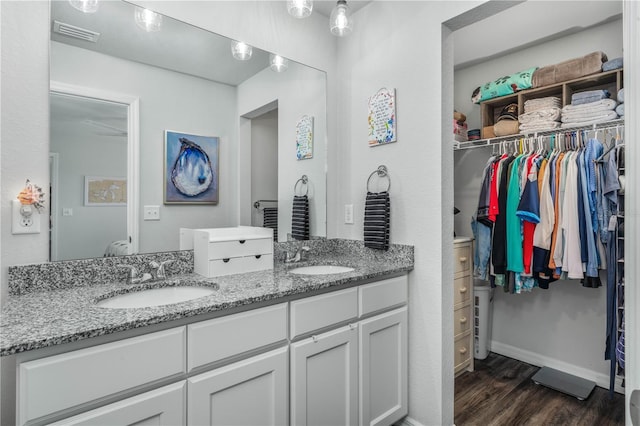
{"type": "Point", "coordinates": [500, 392]}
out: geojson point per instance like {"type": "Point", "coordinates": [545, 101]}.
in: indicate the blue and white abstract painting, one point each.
{"type": "Point", "coordinates": [191, 168]}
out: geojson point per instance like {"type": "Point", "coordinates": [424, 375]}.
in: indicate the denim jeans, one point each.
{"type": "Point", "coordinates": [482, 249]}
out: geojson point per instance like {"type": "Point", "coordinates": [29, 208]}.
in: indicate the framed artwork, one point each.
{"type": "Point", "coordinates": [304, 138]}
{"type": "Point", "coordinates": [191, 173]}
{"type": "Point", "coordinates": [100, 191]}
{"type": "Point", "coordinates": [382, 117]}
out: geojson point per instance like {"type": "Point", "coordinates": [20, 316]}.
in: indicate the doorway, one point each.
{"type": "Point", "coordinates": [264, 169]}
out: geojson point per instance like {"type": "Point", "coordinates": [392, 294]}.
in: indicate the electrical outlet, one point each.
{"type": "Point", "coordinates": [151, 213]}
{"type": "Point", "coordinates": [24, 223]}
{"type": "Point", "coordinates": [348, 213]}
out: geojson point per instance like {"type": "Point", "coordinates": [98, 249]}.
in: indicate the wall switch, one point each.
{"type": "Point", "coordinates": [67, 211]}
{"type": "Point", "coordinates": [151, 212]}
{"type": "Point", "coordinates": [28, 223]}
{"type": "Point", "coordinates": [348, 213]}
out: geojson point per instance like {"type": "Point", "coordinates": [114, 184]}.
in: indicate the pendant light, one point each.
{"type": "Point", "coordinates": [341, 22]}
{"type": "Point", "coordinates": [86, 6]}
{"type": "Point", "coordinates": [299, 8]}
{"type": "Point", "coordinates": [278, 63]}
{"type": "Point", "coordinates": [241, 51]}
{"type": "Point", "coordinates": [148, 20]}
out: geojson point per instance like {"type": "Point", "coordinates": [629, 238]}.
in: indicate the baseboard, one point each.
{"type": "Point", "coordinates": [407, 421]}
{"type": "Point", "coordinates": [601, 380]}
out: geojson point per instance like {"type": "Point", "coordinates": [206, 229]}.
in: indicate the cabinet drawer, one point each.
{"type": "Point", "coordinates": [383, 294]}
{"type": "Point", "coordinates": [462, 350]}
{"type": "Point", "coordinates": [314, 313]}
{"type": "Point", "coordinates": [461, 259]}
{"type": "Point", "coordinates": [239, 248]}
{"type": "Point", "coordinates": [461, 290]}
{"type": "Point", "coordinates": [238, 265]}
{"type": "Point", "coordinates": [462, 320]}
{"type": "Point", "coordinates": [63, 381]}
{"type": "Point", "coordinates": [220, 338]}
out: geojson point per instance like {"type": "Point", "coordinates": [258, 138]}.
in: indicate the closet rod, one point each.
{"type": "Point", "coordinates": [481, 143]}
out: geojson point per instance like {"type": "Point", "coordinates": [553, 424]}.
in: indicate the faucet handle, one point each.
{"type": "Point", "coordinates": [160, 268]}
{"type": "Point", "coordinates": [133, 272]}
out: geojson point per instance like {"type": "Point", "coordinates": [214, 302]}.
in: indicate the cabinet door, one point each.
{"type": "Point", "coordinates": [250, 392]}
{"type": "Point", "coordinates": [383, 367]}
{"type": "Point", "coordinates": [160, 407]}
{"type": "Point", "coordinates": [324, 379]}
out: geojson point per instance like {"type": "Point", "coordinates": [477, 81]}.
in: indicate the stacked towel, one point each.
{"type": "Point", "coordinates": [300, 218]}
{"type": "Point", "coordinates": [620, 108]}
{"type": "Point", "coordinates": [270, 219]}
{"type": "Point", "coordinates": [540, 114]}
{"type": "Point", "coordinates": [588, 96]}
{"type": "Point", "coordinates": [377, 209]}
{"type": "Point", "coordinates": [589, 113]}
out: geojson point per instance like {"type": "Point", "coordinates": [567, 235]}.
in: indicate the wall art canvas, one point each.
{"type": "Point", "coordinates": [100, 191]}
{"type": "Point", "coordinates": [191, 168]}
{"type": "Point", "coordinates": [304, 138]}
{"type": "Point", "coordinates": [382, 117]}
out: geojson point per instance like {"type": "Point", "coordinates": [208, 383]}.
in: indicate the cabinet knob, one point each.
{"type": "Point", "coordinates": [353, 326]}
{"type": "Point", "coordinates": [463, 320]}
{"type": "Point", "coordinates": [314, 338]}
{"type": "Point", "coordinates": [463, 259]}
{"type": "Point", "coordinates": [463, 351]}
{"type": "Point", "coordinates": [463, 290]}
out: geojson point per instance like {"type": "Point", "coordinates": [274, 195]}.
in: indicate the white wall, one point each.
{"type": "Point", "coordinates": [88, 231]}
{"type": "Point", "coordinates": [264, 163]}
{"type": "Point", "coordinates": [299, 91]}
{"type": "Point", "coordinates": [536, 327]}
{"type": "Point", "coordinates": [168, 101]}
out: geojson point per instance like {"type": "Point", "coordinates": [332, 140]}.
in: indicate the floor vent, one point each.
{"type": "Point", "coordinates": [75, 32]}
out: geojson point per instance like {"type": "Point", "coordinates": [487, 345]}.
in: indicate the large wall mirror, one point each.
{"type": "Point", "coordinates": [118, 91]}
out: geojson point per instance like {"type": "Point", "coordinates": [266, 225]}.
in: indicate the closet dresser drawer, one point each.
{"type": "Point", "coordinates": [462, 352]}
{"type": "Point", "coordinates": [461, 259]}
{"type": "Point", "coordinates": [463, 314]}
{"type": "Point", "coordinates": [461, 321]}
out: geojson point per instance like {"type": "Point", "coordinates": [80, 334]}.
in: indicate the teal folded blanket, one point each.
{"type": "Point", "coordinates": [504, 86]}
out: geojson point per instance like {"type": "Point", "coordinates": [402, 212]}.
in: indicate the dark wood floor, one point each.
{"type": "Point", "coordinates": [500, 392]}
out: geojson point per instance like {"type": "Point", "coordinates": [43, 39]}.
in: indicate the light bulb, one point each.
{"type": "Point", "coordinates": [86, 6]}
{"type": "Point", "coordinates": [299, 8]}
{"type": "Point", "coordinates": [148, 20]}
{"type": "Point", "coordinates": [278, 63]}
{"type": "Point", "coordinates": [241, 51]}
{"type": "Point", "coordinates": [341, 22]}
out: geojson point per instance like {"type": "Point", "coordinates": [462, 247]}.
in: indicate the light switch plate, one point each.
{"type": "Point", "coordinates": [21, 224]}
{"type": "Point", "coordinates": [151, 213]}
{"type": "Point", "coordinates": [348, 213]}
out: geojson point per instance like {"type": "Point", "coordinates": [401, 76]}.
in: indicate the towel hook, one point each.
{"type": "Point", "coordinates": [303, 180]}
{"type": "Point", "coordinates": [381, 171]}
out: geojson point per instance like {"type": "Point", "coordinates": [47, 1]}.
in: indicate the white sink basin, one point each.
{"type": "Point", "coordinates": [321, 270]}
{"type": "Point", "coordinates": [155, 297]}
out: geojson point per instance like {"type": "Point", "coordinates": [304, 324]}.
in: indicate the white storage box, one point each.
{"type": "Point", "coordinates": [226, 251]}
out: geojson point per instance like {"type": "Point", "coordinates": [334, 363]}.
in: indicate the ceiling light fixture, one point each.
{"type": "Point", "coordinates": [299, 8]}
{"type": "Point", "coordinates": [278, 63]}
{"type": "Point", "coordinates": [148, 20]}
{"type": "Point", "coordinates": [86, 6]}
{"type": "Point", "coordinates": [341, 22]}
{"type": "Point", "coordinates": [241, 51]}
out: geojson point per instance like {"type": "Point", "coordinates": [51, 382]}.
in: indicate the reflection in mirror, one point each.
{"type": "Point", "coordinates": [186, 80]}
{"type": "Point", "coordinates": [88, 151]}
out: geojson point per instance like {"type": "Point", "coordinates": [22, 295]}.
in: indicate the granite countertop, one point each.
{"type": "Point", "coordinates": [45, 318]}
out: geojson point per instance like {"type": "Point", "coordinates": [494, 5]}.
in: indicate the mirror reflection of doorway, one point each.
{"type": "Point", "coordinates": [88, 146]}
{"type": "Point", "coordinates": [264, 169]}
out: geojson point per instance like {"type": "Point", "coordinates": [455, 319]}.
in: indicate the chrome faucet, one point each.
{"type": "Point", "coordinates": [159, 272]}
{"type": "Point", "coordinates": [132, 276]}
{"type": "Point", "coordinates": [297, 257]}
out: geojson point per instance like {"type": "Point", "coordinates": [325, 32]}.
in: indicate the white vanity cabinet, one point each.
{"type": "Point", "coordinates": [355, 373]}
{"type": "Point", "coordinates": [160, 407]}
{"type": "Point", "coordinates": [249, 392]}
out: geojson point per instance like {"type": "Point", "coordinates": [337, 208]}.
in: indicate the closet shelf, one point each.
{"type": "Point", "coordinates": [480, 143]}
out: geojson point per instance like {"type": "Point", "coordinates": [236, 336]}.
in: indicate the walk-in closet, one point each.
{"type": "Point", "coordinates": [568, 318]}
